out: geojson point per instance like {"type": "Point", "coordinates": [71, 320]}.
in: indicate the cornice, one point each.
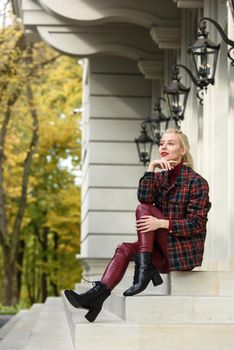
{"type": "Point", "coordinates": [189, 4]}
{"type": "Point", "coordinates": [166, 37]}
{"type": "Point", "coordinates": [152, 69]}
{"type": "Point", "coordinates": [85, 12]}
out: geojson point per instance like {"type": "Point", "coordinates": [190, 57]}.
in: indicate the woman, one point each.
{"type": "Point", "coordinates": [171, 226]}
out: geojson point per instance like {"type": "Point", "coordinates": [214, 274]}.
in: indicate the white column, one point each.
{"type": "Point", "coordinates": [215, 149]}
{"type": "Point", "coordinates": [230, 126]}
{"type": "Point", "coordinates": [190, 125]}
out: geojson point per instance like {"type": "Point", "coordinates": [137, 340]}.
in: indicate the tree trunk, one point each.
{"type": "Point", "coordinates": [54, 284]}
{"type": "Point", "coordinates": [10, 288]}
{"type": "Point", "coordinates": [44, 286]}
{"type": "Point", "coordinates": [20, 257]}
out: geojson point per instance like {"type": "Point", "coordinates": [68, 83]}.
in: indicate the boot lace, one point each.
{"type": "Point", "coordinates": [96, 285]}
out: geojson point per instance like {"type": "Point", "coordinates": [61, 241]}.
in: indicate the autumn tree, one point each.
{"type": "Point", "coordinates": [54, 211]}
{"type": "Point", "coordinates": [32, 102]}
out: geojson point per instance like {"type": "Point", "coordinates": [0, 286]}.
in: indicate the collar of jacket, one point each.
{"type": "Point", "coordinates": [181, 178]}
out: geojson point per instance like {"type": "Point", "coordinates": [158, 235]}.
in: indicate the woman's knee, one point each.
{"type": "Point", "coordinates": [143, 209]}
{"type": "Point", "coordinates": [157, 212]}
{"type": "Point", "coordinates": [148, 209]}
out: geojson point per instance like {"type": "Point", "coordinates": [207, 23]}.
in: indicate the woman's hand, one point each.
{"type": "Point", "coordinates": [161, 164]}
{"type": "Point", "coordinates": [149, 223]}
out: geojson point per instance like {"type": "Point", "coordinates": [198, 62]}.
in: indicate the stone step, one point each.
{"type": "Point", "coordinates": [108, 332]}
{"type": "Point", "coordinates": [150, 322]}
{"type": "Point", "coordinates": [179, 309]}
{"type": "Point", "coordinates": [116, 303]}
{"type": "Point", "coordinates": [11, 323]}
{"type": "Point", "coordinates": [17, 336]}
{"type": "Point", "coordinates": [76, 317]}
{"type": "Point", "coordinates": [197, 314]}
{"type": "Point", "coordinates": [167, 309]}
{"type": "Point", "coordinates": [211, 283]}
{"type": "Point", "coordinates": [140, 336]}
{"type": "Point", "coordinates": [51, 330]}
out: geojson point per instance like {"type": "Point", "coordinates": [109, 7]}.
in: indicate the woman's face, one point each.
{"type": "Point", "coordinates": [171, 148]}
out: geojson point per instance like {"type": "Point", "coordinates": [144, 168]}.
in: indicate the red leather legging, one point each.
{"type": "Point", "coordinates": [155, 241]}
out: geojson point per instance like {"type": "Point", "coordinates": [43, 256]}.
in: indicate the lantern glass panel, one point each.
{"type": "Point", "coordinates": [205, 60]}
{"type": "Point", "coordinates": [177, 103]}
{"type": "Point", "coordinates": [158, 125]}
{"type": "Point", "coordinates": [144, 150]}
{"type": "Point", "coordinates": [156, 131]}
{"type": "Point", "coordinates": [144, 147]}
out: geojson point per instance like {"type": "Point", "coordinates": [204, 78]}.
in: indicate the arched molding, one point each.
{"type": "Point", "coordinates": [92, 13]}
{"type": "Point", "coordinates": [83, 44]}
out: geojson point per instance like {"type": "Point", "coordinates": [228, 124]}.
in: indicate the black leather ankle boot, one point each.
{"type": "Point", "coordinates": [145, 271]}
{"type": "Point", "coordinates": [92, 300]}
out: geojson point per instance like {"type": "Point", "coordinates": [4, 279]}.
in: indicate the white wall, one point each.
{"type": "Point", "coordinates": [116, 100]}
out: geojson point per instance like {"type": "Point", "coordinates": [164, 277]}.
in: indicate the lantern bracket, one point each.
{"type": "Point", "coordinates": [202, 27]}
{"type": "Point", "coordinates": [200, 84]}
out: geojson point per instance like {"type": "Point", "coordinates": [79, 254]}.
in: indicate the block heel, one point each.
{"type": "Point", "coordinates": [92, 314]}
{"type": "Point", "coordinates": [157, 279]}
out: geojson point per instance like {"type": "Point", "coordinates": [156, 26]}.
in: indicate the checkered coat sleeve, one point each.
{"type": "Point", "coordinates": [186, 204]}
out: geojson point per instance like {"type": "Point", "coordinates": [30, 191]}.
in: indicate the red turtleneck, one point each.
{"type": "Point", "coordinates": [174, 172]}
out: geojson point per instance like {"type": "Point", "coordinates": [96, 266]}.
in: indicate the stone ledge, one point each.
{"type": "Point", "coordinates": [180, 309]}
{"type": "Point", "coordinates": [151, 336]}
{"type": "Point", "coordinates": [202, 283]}
{"type": "Point", "coordinates": [164, 309]}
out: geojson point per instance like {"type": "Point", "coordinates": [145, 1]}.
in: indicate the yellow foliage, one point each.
{"type": "Point", "coordinates": [53, 198]}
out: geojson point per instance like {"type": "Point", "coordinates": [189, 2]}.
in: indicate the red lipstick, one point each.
{"type": "Point", "coordinates": [164, 154]}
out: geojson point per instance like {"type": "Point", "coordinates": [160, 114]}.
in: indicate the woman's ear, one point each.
{"type": "Point", "coordinates": [183, 152]}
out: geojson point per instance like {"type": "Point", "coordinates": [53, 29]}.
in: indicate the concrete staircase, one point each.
{"type": "Point", "coordinates": [198, 314]}
{"type": "Point", "coordinates": [43, 327]}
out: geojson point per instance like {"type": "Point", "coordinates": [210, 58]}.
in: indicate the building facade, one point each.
{"type": "Point", "coordinates": [128, 49]}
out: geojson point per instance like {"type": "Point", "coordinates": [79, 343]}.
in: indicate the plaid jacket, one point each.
{"type": "Point", "coordinates": [186, 204]}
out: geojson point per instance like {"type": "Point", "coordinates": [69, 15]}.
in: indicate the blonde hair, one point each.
{"type": "Point", "coordinates": [187, 158]}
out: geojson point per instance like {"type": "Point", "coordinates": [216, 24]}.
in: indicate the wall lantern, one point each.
{"type": "Point", "coordinates": [144, 145]}
{"type": "Point", "coordinates": [204, 57]}
{"type": "Point", "coordinates": [157, 124]}
{"type": "Point", "coordinates": [202, 23]}
{"type": "Point", "coordinates": [177, 96]}
{"type": "Point", "coordinates": [158, 121]}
